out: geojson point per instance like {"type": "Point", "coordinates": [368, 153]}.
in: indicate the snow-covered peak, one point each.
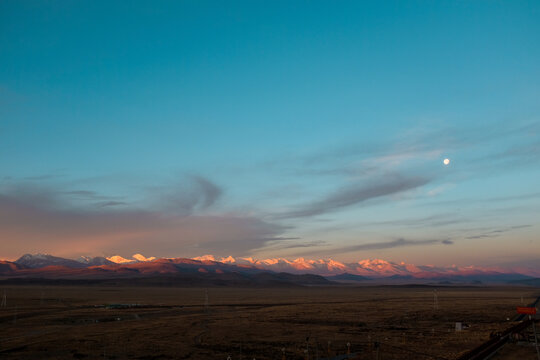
{"type": "Point", "coordinates": [205, 258]}
{"type": "Point", "coordinates": [119, 260]}
{"type": "Point", "coordinates": [370, 263]}
{"type": "Point", "coordinates": [135, 258]}
{"type": "Point", "coordinates": [229, 260]}
{"type": "Point", "coordinates": [142, 258]}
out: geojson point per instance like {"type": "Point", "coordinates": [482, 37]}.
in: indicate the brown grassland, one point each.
{"type": "Point", "coordinates": [73, 322]}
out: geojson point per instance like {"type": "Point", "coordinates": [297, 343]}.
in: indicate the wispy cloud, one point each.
{"type": "Point", "coordinates": [496, 199]}
{"type": "Point", "coordinates": [210, 191]}
{"type": "Point", "coordinates": [436, 220]}
{"type": "Point", "coordinates": [41, 177]}
{"type": "Point", "coordinates": [309, 244]}
{"type": "Point", "coordinates": [392, 244]}
{"type": "Point", "coordinates": [193, 193]}
{"type": "Point", "coordinates": [282, 238]}
{"type": "Point", "coordinates": [400, 242]}
{"type": "Point", "coordinates": [85, 195]}
{"type": "Point", "coordinates": [496, 232]}
{"type": "Point", "coordinates": [39, 219]}
{"type": "Point", "coordinates": [352, 195]}
{"type": "Point", "coordinates": [111, 203]}
{"type": "Point", "coordinates": [474, 147]}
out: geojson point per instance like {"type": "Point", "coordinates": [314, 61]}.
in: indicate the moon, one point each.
{"type": "Point", "coordinates": [446, 161]}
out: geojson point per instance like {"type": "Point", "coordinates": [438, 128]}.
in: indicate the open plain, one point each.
{"type": "Point", "coordinates": [123, 322]}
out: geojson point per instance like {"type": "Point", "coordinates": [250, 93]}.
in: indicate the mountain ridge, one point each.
{"type": "Point", "coordinates": [371, 268]}
{"type": "Point", "coordinates": [364, 271]}
{"type": "Point", "coordinates": [46, 268]}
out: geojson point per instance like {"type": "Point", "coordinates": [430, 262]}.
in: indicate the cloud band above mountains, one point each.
{"type": "Point", "coordinates": [42, 220]}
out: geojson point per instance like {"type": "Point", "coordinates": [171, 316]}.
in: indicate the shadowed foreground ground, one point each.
{"type": "Point", "coordinates": [72, 322]}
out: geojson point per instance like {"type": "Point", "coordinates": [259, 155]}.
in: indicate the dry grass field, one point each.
{"type": "Point", "coordinates": [75, 322]}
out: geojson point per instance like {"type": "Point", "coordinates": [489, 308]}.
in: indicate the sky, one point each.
{"type": "Point", "coordinates": [312, 129]}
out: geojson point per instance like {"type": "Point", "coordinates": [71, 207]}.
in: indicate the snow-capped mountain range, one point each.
{"type": "Point", "coordinates": [372, 268]}
{"type": "Point", "coordinates": [44, 265]}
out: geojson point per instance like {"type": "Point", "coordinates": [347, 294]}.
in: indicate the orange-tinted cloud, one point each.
{"type": "Point", "coordinates": [34, 219]}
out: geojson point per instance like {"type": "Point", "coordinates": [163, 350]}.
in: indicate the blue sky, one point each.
{"type": "Point", "coordinates": [304, 128]}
